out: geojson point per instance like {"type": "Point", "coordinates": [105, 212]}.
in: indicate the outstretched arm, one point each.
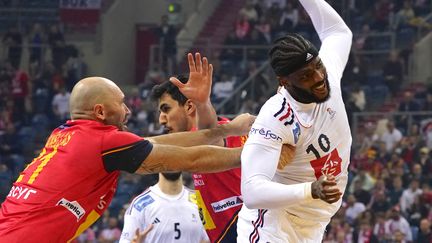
{"type": "Point", "coordinates": [166, 158]}
{"type": "Point", "coordinates": [335, 35]}
{"type": "Point", "coordinates": [237, 127]}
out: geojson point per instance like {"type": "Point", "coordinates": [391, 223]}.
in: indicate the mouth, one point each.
{"type": "Point", "coordinates": [320, 88]}
{"type": "Point", "coordinates": [167, 130]}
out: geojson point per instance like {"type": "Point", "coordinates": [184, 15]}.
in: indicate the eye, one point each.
{"type": "Point", "coordinates": [320, 64]}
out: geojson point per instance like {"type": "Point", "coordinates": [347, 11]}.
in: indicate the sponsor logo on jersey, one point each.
{"type": "Point", "coordinates": [141, 203]}
{"type": "Point", "coordinates": [21, 192]}
{"type": "Point", "coordinates": [296, 132]}
{"type": "Point", "coordinates": [226, 204]}
{"type": "Point", "coordinates": [74, 207]}
{"type": "Point", "coordinates": [266, 133]}
{"type": "Point", "coordinates": [331, 112]}
{"type": "Point", "coordinates": [156, 221]}
{"type": "Point", "coordinates": [330, 164]}
{"type": "Point", "coordinates": [285, 113]}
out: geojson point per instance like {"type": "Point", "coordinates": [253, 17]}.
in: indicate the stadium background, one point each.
{"type": "Point", "coordinates": [47, 46]}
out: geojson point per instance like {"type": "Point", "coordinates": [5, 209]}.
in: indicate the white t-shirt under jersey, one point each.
{"type": "Point", "coordinates": [174, 218]}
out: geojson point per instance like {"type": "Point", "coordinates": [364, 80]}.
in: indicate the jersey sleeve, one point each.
{"type": "Point", "coordinates": [259, 159]}
{"type": "Point", "coordinates": [132, 222]}
{"type": "Point", "coordinates": [335, 35]}
{"type": "Point", "coordinates": [124, 151]}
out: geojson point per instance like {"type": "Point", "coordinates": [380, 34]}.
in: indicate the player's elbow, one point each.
{"type": "Point", "coordinates": [250, 198]}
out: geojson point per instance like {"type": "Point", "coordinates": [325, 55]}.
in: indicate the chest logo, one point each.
{"type": "Point", "coordinates": [330, 164]}
{"type": "Point", "coordinates": [331, 112]}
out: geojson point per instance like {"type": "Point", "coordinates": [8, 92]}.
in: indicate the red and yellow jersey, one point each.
{"type": "Point", "coordinates": [219, 199]}
{"type": "Point", "coordinates": [70, 184]}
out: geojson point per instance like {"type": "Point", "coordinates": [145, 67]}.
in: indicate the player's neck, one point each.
{"type": "Point", "coordinates": [170, 187]}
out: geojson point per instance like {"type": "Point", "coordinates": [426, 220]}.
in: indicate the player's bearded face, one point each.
{"type": "Point", "coordinates": [172, 176]}
{"type": "Point", "coordinates": [310, 84]}
{"type": "Point", "coordinates": [173, 116]}
{"type": "Point", "coordinates": [117, 113]}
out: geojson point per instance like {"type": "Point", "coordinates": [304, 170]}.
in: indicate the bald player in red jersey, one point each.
{"type": "Point", "coordinates": [71, 183]}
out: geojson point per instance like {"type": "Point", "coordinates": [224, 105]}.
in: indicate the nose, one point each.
{"type": "Point", "coordinates": [127, 110]}
{"type": "Point", "coordinates": [162, 118]}
{"type": "Point", "coordinates": [318, 76]}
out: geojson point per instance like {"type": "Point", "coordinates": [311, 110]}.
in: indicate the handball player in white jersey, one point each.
{"type": "Point", "coordinates": [293, 202]}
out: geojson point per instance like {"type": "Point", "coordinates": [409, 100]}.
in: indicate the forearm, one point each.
{"type": "Point", "coordinates": [168, 158]}
{"type": "Point", "coordinates": [260, 192]}
{"type": "Point", "coordinates": [324, 18]}
{"type": "Point", "coordinates": [186, 139]}
{"type": "Point", "coordinates": [259, 163]}
{"type": "Point", "coordinates": [206, 116]}
{"type": "Point", "coordinates": [210, 159]}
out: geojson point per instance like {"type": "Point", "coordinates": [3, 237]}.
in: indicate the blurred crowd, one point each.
{"type": "Point", "coordinates": [389, 198]}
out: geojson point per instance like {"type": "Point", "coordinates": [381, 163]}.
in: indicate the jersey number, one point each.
{"type": "Point", "coordinates": [329, 163]}
{"type": "Point", "coordinates": [43, 158]}
{"type": "Point", "coordinates": [177, 231]}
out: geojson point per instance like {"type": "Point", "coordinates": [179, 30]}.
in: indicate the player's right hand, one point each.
{"type": "Point", "coordinates": [325, 189]}
{"type": "Point", "coordinates": [240, 125]}
{"type": "Point", "coordinates": [140, 236]}
{"type": "Point", "coordinates": [198, 87]}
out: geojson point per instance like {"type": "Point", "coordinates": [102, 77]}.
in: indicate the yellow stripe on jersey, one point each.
{"type": "Point", "coordinates": [116, 150]}
{"type": "Point", "coordinates": [91, 218]}
{"type": "Point", "coordinates": [204, 213]}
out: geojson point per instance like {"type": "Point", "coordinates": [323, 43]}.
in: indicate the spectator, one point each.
{"type": "Point", "coordinates": [365, 234]}
{"type": "Point", "coordinates": [111, 233]}
{"type": "Point", "coordinates": [360, 194]}
{"type": "Point", "coordinates": [408, 104]}
{"type": "Point", "coordinates": [289, 19]}
{"type": "Point", "coordinates": [382, 12]}
{"type": "Point", "coordinates": [13, 41]}
{"type": "Point", "coordinates": [425, 233]}
{"type": "Point", "coordinates": [167, 38]}
{"type": "Point", "coordinates": [379, 229]}
{"type": "Point", "coordinates": [242, 27]}
{"type": "Point", "coordinates": [393, 71]}
{"type": "Point", "coordinates": [363, 41]}
{"type": "Point", "coordinates": [397, 223]}
{"type": "Point", "coordinates": [395, 191]}
{"type": "Point", "coordinates": [425, 161]}
{"type": "Point", "coordinates": [358, 98]}
{"type": "Point", "coordinates": [60, 105]}
{"type": "Point", "coordinates": [263, 27]}
{"type": "Point", "coordinates": [379, 202]}
{"type": "Point", "coordinates": [57, 43]}
{"type": "Point", "coordinates": [409, 195]}
{"type": "Point", "coordinates": [222, 89]}
{"type": "Point", "coordinates": [249, 12]}
{"type": "Point", "coordinates": [391, 137]}
{"type": "Point", "coordinates": [354, 209]}
{"type": "Point", "coordinates": [37, 40]}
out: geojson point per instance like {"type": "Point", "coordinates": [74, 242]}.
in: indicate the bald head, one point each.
{"type": "Point", "coordinates": [89, 92]}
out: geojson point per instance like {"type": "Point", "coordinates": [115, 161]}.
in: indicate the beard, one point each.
{"type": "Point", "coordinates": [306, 96]}
{"type": "Point", "coordinates": [171, 176]}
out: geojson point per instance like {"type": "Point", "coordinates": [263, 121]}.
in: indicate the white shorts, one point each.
{"type": "Point", "coordinates": [262, 225]}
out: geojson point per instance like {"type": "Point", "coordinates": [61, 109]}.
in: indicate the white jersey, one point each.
{"type": "Point", "coordinates": [174, 218]}
{"type": "Point", "coordinates": [322, 138]}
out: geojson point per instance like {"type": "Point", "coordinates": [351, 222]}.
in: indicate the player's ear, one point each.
{"type": "Point", "coordinates": [99, 112]}
{"type": "Point", "coordinates": [190, 107]}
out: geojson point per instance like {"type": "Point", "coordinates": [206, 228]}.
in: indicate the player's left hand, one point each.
{"type": "Point", "coordinates": [199, 85]}
{"type": "Point", "coordinates": [140, 236]}
{"type": "Point", "coordinates": [325, 189]}
{"type": "Point", "coordinates": [240, 125]}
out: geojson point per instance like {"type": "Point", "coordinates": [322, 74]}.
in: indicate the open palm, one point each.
{"type": "Point", "coordinates": [198, 87]}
